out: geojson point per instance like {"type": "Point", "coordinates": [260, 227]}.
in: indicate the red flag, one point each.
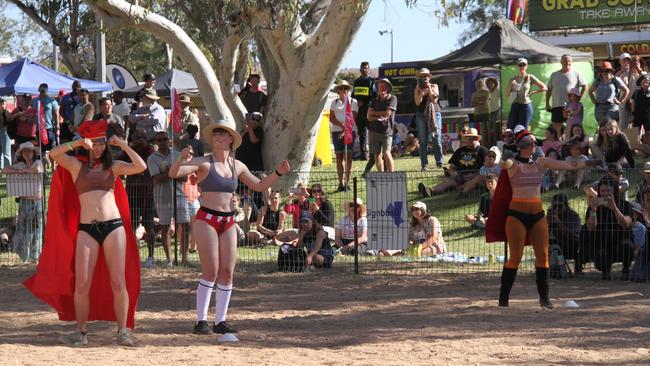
{"type": "Point", "coordinates": [41, 122]}
{"type": "Point", "coordinates": [348, 136]}
{"type": "Point", "coordinates": [176, 112]}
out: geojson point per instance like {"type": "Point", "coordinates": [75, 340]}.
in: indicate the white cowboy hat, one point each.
{"type": "Point", "coordinates": [27, 145]}
{"type": "Point", "coordinates": [226, 125]}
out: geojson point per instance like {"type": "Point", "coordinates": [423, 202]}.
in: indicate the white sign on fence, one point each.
{"type": "Point", "coordinates": [387, 210]}
{"type": "Point", "coordinates": [24, 184]}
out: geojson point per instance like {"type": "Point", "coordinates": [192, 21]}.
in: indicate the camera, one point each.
{"type": "Point", "coordinates": [601, 201]}
{"type": "Point", "coordinates": [420, 83]}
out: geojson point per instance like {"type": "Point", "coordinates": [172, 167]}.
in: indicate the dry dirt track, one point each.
{"type": "Point", "coordinates": [337, 318]}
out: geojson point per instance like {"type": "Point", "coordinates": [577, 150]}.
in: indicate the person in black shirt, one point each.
{"type": "Point", "coordinates": [197, 145]}
{"type": "Point", "coordinates": [564, 227]}
{"type": "Point", "coordinates": [464, 166]}
{"type": "Point", "coordinates": [250, 151]}
{"type": "Point", "coordinates": [253, 98]}
{"type": "Point", "coordinates": [608, 225]}
{"type": "Point", "coordinates": [149, 83]}
{"type": "Point", "coordinates": [363, 91]}
{"type": "Point", "coordinates": [381, 119]}
{"type": "Point", "coordinates": [640, 103]}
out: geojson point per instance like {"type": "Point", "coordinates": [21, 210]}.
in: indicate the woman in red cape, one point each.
{"type": "Point", "coordinates": [90, 267]}
{"type": "Point", "coordinates": [517, 214]}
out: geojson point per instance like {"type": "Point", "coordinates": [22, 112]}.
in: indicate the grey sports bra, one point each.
{"type": "Point", "coordinates": [216, 183]}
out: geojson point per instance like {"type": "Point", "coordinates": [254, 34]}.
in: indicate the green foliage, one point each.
{"type": "Point", "coordinates": [138, 51]}
{"type": "Point", "coordinates": [20, 37]}
{"type": "Point", "coordinates": [348, 76]}
{"type": "Point", "coordinates": [477, 14]}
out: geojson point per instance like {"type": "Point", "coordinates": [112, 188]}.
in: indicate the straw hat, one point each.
{"type": "Point", "coordinates": [151, 93]}
{"type": "Point", "coordinates": [226, 125]}
{"type": "Point", "coordinates": [473, 132]}
{"type": "Point", "coordinates": [184, 99]}
{"type": "Point", "coordinates": [343, 84]}
{"type": "Point", "coordinates": [424, 72]}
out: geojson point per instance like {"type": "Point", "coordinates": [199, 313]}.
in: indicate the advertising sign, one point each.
{"type": "Point", "coordinates": [558, 14]}
{"type": "Point", "coordinates": [600, 51]}
{"type": "Point", "coordinates": [387, 211]}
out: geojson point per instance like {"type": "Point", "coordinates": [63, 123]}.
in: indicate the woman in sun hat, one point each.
{"type": "Point", "coordinates": [607, 92]}
{"type": "Point", "coordinates": [214, 226]}
{"type": "Point", "coordinates": [30, 209]}
{"type": "Point", "coordinates": [90, 268]}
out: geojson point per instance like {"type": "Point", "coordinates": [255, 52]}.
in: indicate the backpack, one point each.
{"type": "Point", "coordinates": [558, 267]}
{"type": "Point", "coordinates": [291, 259]}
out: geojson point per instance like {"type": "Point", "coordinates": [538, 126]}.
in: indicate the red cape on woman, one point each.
{"type": "Point", "coordinates": [54, 281]}
{"type": "Point", "coordinates": [495, 228]}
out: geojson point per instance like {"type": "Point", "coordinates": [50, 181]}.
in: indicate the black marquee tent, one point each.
{"type": "Point", "coordinates": [504, 44]}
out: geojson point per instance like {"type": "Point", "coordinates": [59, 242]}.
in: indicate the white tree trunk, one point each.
{"type": "Point", "coordinates": [118, 13]}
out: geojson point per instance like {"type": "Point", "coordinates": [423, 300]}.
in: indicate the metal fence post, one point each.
{"type": "Point", "coordinates": [356, 236]}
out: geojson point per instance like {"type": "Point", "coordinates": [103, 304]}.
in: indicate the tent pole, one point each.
{"type": "Point", "coordinates": [501, 102]}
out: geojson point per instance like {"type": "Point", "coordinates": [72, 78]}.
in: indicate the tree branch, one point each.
{"type": "Point", "coordinates": [171, 33]}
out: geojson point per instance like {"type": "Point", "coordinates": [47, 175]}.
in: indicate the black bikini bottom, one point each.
{"type": "Point", "coordinates": [529, 220]}
{"type": "Point", "coordinates": [99, 230]}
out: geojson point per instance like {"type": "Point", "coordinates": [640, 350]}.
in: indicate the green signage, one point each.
{"type": "Point", "coordinates": [558, 14]}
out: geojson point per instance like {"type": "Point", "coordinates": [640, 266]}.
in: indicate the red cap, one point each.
{"type": "Point", "coordinates": [93, 129]}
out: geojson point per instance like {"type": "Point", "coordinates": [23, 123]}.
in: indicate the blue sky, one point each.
{"type": "Point", "coordinates": [416, 34]}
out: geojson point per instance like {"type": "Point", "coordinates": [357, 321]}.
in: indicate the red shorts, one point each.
{"type": "Point", "coordinates": [220, 221]}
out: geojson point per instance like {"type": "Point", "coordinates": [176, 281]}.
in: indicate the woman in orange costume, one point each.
{"type": "Point", "coordinates": [525, 222]}
{"type": "Point", "coordinates": [90, 269]}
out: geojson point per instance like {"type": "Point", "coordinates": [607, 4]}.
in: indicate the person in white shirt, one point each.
{"type": "Point", "coordinates": [337, 127]}
{"type": "Point", "coordinates": [151, 116]}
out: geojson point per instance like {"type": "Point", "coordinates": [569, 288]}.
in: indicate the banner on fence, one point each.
{"type": "Point", "coordinates": [387, 210]}
{"type": "Point", "coordinates": [557, 14]}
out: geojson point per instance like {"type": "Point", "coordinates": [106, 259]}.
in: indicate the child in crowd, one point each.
{"type": "Point", "coordinates": [481, 216]}
{"type": "Point", "coordinates": [573, 112]}
{"type": "Point", "coordinates": [577, 133]}
{"type": "Point", "coordinates": [552, 144]}
{"type": "Point", "coordinates": [489, 165]}
{"type": "Point", "coordinates": [575, 156]}
{"type": "Point", "coordinates": [411, 145]}
{"type": "Point", "coordinates": [508, 138]}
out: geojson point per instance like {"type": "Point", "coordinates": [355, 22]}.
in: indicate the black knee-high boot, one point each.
{"type": "Point", "coordinates": [541, 275]}
{"type": "Point", "coordinates": [507, 279]}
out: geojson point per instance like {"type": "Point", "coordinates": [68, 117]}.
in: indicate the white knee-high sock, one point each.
{"type": "Point", "coordinates": [222, 301]}
{"type": "Point", "coordinates": [203, 295]}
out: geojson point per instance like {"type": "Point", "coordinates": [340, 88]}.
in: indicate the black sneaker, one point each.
{"type": "Point", "coordinates": [202, 327]}
{"type": "Point", "coordinates": [223, 328]}
{"type": "Point", "coordinates": [424, 191]}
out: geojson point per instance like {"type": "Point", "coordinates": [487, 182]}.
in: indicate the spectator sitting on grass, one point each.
{"type": "Point", "coordinates": [270, 223]}
{"type": "Point", "coordinates": [464, 166]}
{"type": "Point", "coordinates": [344, 229]}
{"type": "Point", "coordinates": [575, 156]}
{"type": "Point", "coordinates": [425, 230]}
{"type": "Point", "coordinates": [242, 218]}
{"type": "Point", "coordinates": [484, 205]}
{"type": "Point", "coordinates": [320, 208]}
{"type": "Point", "coordinates": [645, 183]}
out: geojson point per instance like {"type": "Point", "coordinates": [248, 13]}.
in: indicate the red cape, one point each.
{"type": "Point", "coordinates": [54, 280]}
{"type": "Point", "coordinates": [495, 228]}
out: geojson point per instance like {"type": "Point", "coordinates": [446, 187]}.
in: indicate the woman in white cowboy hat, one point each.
{"type": "Point", "coordinates": [214, 226]}
{"type": "Point", "coordinates": [338, 117]}
{"type": "Point", "coordinates": [30, 208]}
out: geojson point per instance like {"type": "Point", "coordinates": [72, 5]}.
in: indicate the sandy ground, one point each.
{"type": "Point", "coordinates": [337, 318]}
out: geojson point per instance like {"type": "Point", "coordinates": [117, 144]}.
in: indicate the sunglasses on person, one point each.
{"type": "Point", "coordinates": [162, 139]}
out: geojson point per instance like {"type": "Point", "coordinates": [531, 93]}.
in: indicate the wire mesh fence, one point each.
{"type": "Point", "coordinates": [395, 242]}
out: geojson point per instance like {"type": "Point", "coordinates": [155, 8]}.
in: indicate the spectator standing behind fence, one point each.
{"type": "Point", "coordinates": [631, 79]}
{"type": "Point", "coordinates": [640, 109]}
{"type": "Point", "coordinates": [364, 91]}
{"type": "Point", "coordinates": [520, 85]}
{"type": "Point", "coordinates": [50, 108]}
{"type": "Point", "coordinates": [187, 116]}
{"type": "Point", "coordinates": [191, 132]}
{"type": "Point", "coordinates": [149, 85]}
{"type": "Point", "coordinates": [338, 118]}
{"type": "Point", "coordinates": [213, 226]}
{"type": "Point", "coordinates": [252, 96]}
{"type": "Point", "coordinates": [645, 183]}
{"type": "Point", "coordinates": [464, 167]}
{"type": "Point", "coordinates": [640, 271]}
{"type": "Point", "coordinates": [150, 116]}
{"type": "Point", "coordinates": [67, 104]}
{"type": "Point", "coordinates": [564, 228]}
{"type": "Point", "coordinates": [607, 92]}
{"type": "Point", "coordinates": [115, 123]}
{"type": "Point", "coordinates": [381, 120]}
{"type": "Point", "coordinates": [495, 102]}
{"type": "Point", "coordinates": [29, 222]}
{"type": "Point", "coordinates": [297, 201]}
{"type": "Point", "coordinates": [558, 87]}
{"type": "Point", "coordinates": [344, 230]}
{"type": "Point", "coordinates": [139, 190]}
{"type": "Point", "coordinates": [250, 151]}
{"type": "Point", "coordinates": [5, 141]}
{"type": "Point", "coordinates": [25, 127]}
{"type": "Point", "coordinates": [609, 222]}
{"type": "Point", "coordinates": [159, 163]}
{"type": "Point", "coordinates": [84, 110]}
{"type": "Point", "coordinates": [481, 101]}
{"type": "Point", "coordinates": [120, 106]}
{"type": "Point", "coordinates": [481, 216]}
{"type": "Point", "coordinates": [425, 231]}
{"type": "Point", "coordinates": [428, 118]}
